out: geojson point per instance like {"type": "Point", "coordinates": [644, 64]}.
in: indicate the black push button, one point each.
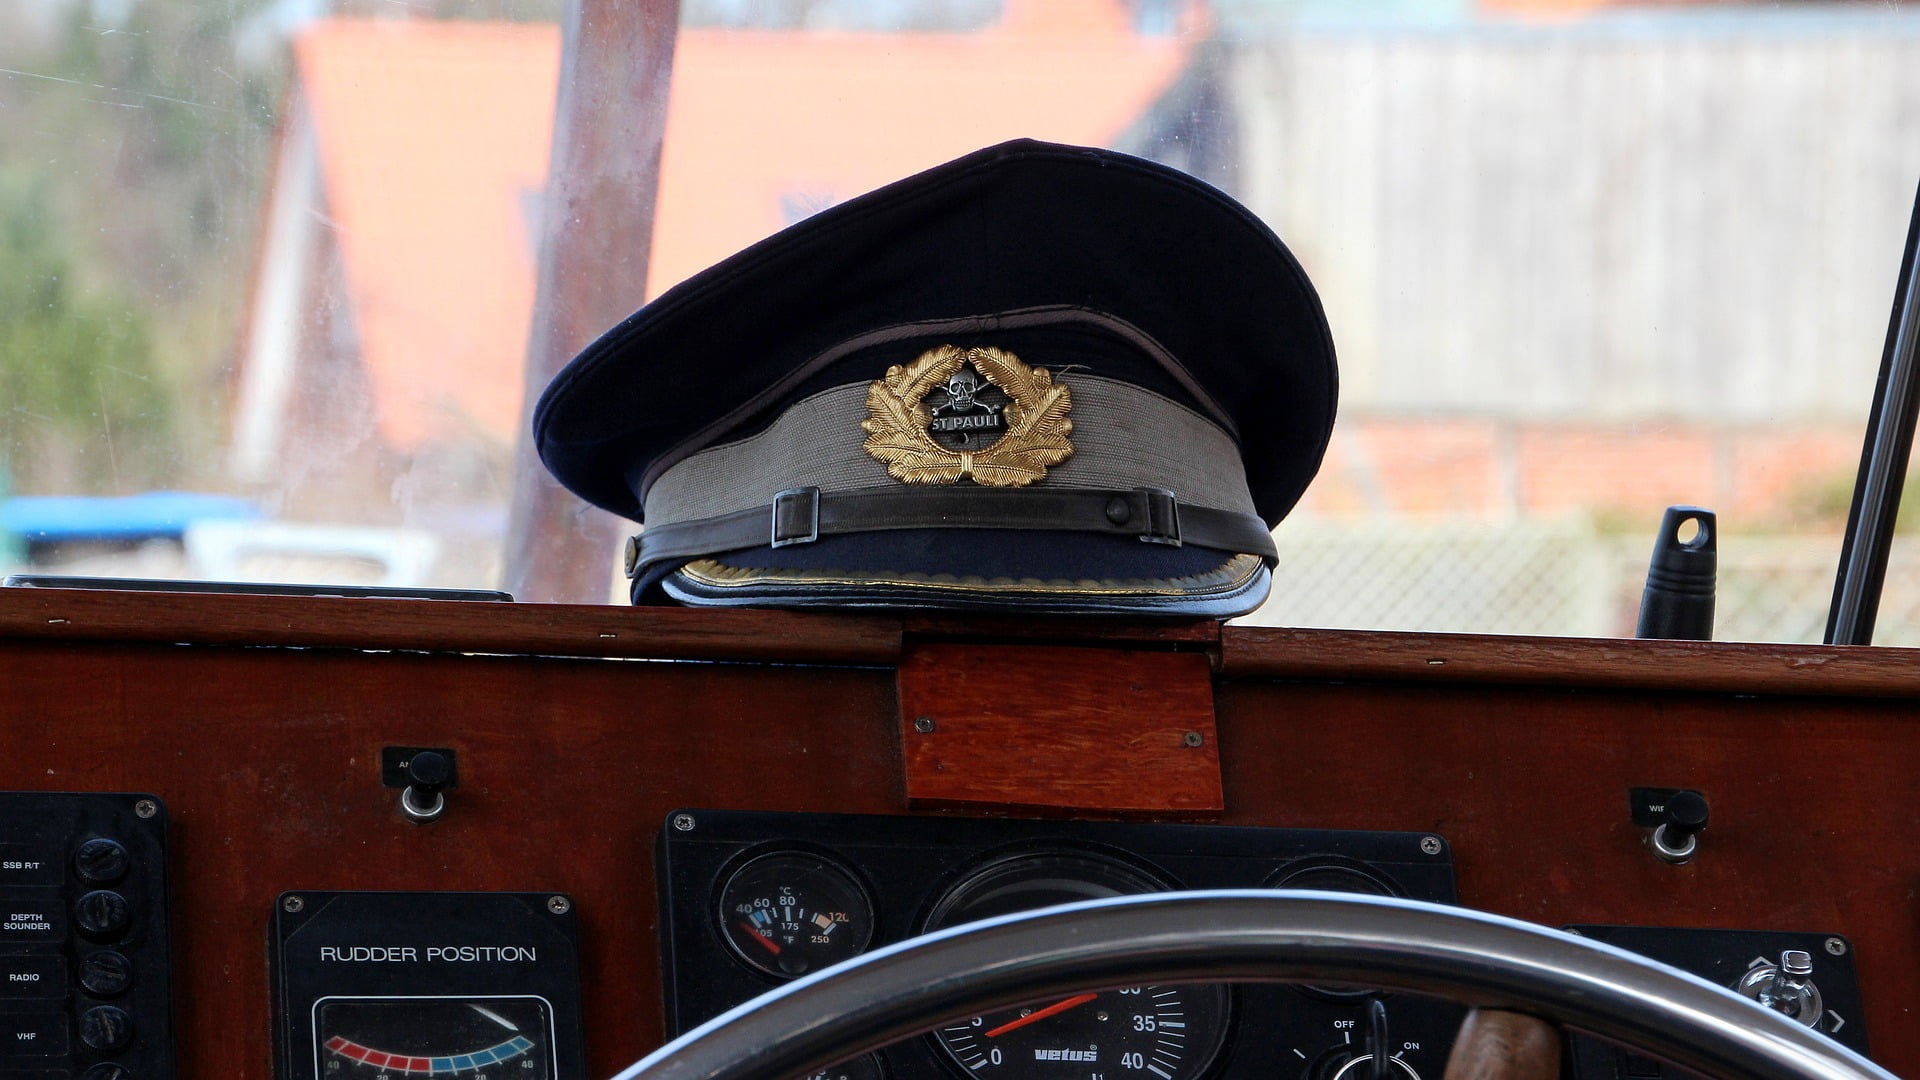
{"type": "Point", "coordinates": [34, 919]}
{"type": "Point", "coordinates": [33, 977]}
{"type": "Point", "coordinates": [106, 1028]}
{"type": "Point", "coordinates": [108, 1070]}
{"type": "Point", "coordinates": [105, 973]}
{"type": "Point", "coordinates": [32, 1035]}
{"type": "Point", "coordinates": [101, 861]}
{"type": "Point", "coordinates": [102, 914]}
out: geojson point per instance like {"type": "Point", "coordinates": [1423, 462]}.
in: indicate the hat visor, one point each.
{"type": "Point", "coordinates": [1038, 571]}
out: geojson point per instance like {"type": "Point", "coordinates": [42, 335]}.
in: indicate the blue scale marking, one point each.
{"type": "Point", "coordinates": [512, 1048]}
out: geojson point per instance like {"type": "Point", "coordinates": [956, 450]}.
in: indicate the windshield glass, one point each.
{"type": "Point", "coordinates": [270, 272]}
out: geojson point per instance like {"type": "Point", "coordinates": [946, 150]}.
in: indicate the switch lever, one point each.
{"type": "Point", "coordinates": [1785, 986]}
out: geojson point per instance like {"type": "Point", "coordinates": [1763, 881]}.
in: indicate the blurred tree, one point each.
{"type": "Point", "coordinates": [84, 409]}
{"type": "Point", "coordinates": [136, 149]}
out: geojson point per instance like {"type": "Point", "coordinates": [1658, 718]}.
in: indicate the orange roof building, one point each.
{"type": "Point", "coordinates": [391, 306]}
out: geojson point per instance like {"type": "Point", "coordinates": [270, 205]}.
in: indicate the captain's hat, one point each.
{"type": "Point", "coordinates": [1039, 377]}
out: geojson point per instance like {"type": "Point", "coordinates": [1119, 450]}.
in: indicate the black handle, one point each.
{"type": "Point", "coordinates": [1678, 599]}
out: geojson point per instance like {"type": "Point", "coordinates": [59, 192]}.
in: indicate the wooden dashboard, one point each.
{"type": "Point", "coordinates": [260, 722]}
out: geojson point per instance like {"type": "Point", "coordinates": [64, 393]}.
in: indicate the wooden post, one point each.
{"type": "Point", "coordinates": [597, 230]}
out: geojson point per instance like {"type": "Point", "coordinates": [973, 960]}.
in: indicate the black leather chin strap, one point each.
{"type": "Point", "coordinates": [803, 515]}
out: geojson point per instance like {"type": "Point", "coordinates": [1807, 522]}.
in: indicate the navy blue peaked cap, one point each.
{"type": "Point", "coordinates": [1129, 270]}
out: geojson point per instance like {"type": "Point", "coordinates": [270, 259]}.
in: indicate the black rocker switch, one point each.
{"type": "Point", "coordinates": [1678, 837]}
{"type": "Point", "coordinates": [423, 775]}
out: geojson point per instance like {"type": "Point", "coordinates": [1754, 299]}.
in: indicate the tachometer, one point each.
{"type": "Point", "coordinates": [1169, 1032]}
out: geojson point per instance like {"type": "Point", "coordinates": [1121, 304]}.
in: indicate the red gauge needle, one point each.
{"type": "Point", "coordinates": [772, 945]}
{"type": "Point", "coordinates": [1054, 1009]}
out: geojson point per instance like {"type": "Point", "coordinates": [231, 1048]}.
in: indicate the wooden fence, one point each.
{"type": "Point", "coordinates": [1656, 216]}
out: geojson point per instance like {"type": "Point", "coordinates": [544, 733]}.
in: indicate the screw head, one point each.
{"type": "Point", "coordinates": [1431, 845]}
{"type": "Point", "coordinates": [1836, 947]}
{"type": "Point", "coordinates": [923, 724]}
{"type": "Point", "coordinates": [683, 822]}
{"type": "Point", "coordinates": [292, 904]}
{"type": "Point", "coordinates": [1192, 738]}
{"type": "Point", "coordinates": [559, 905]}
{"type": "Point", "coordinates": [145, 808]}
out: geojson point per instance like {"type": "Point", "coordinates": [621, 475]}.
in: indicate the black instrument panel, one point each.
{"type": "Point", "coordinates": [85, 973]}
{"type": "Point", "coordinates": [749, 900]}
{"type": "Point", "coordinates": [425, 984]}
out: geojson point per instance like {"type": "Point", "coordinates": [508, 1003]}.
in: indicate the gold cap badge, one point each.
{"type": "Point", "coordinates": [986, 392]}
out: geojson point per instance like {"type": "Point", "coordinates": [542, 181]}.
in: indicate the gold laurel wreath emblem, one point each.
{"type": "Point", "coordinates": [1036, 419]}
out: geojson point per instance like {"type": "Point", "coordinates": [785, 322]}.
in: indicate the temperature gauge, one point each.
{"type": "Point", "coordinates": [790, 913]}
{"type": "Point", "coordinates": [486, 1038]}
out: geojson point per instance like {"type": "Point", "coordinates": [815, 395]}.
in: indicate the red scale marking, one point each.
{"type": "Point", "coordinates": [419, 1065]}
{"type": "Point", "coordinates": [336, 1044]}
{"type": "Point", "coordinates": [379, 1057]}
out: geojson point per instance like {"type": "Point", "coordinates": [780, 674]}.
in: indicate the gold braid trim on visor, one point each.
{"type": "Point", "coordinates": [1233, 574]}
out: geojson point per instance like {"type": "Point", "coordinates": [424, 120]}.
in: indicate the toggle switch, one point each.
{"type": "Point", "coordinates": [1785, 986]}
{"type": "Point", "coordinates": [1677, 836]}
{"type": "Point", "coordinates": [423, 775]}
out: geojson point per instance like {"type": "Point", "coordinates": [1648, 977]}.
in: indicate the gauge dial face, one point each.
{"type": "Point", "coordinates": [1169, 1032]}
{"type": "Point", "coordinates": [505, 1038]}
{"type": "Point", "coordinates": [790, 913]}
{"type": "Point", "coordinates": [1333, 877]}
{"type": "Point", "coordinates": [1166, 1031]}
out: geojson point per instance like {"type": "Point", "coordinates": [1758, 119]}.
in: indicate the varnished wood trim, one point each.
{"type": "Point", "coordinates": [1599, 663]}
{"type": "Point", "coordinates": [447, 626]}
{"type": "Point", "coordinates": [1058, 728]}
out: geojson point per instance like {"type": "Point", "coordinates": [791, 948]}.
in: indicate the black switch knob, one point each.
{"type": "Point", "coordinates": [428, 773]}
{"type": "Point", "coordinates": [1678, 837]}
{"type": "Point", "coordinates": [101, 861]}
{"type": "Point", "coordinates": [106, 1028]}
{"type": "Point", "coordinates": [108, 1070]}
{"type": "Point", "coordinates": [105, 973]}
{"type": "Point", "coordinates": [102, 914]}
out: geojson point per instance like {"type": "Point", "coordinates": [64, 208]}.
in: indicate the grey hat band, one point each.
{"type": "Point", "coordinates": [1123, 437]}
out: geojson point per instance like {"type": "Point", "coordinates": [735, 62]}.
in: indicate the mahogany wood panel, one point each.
{"type": "Point", "coordinates": [1813, 802]}
{"type": "Point", "coordinates": [1041, 726]}
{"type": "Point", "coordinates": [446, 626]}
{"type": "Point", "coordinates": [268, 760]}
{"type": "Point", "coordinates": [1729, 667]}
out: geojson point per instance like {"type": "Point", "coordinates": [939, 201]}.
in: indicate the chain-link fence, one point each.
{"type": "Point", "coordinates": [1556, 579]}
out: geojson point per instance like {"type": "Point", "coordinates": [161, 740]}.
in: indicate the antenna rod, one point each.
{"type": "Point", "coordinates": [1883, 462]}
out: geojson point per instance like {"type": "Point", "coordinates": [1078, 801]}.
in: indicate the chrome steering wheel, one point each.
{"type": "Point", "coordinates": [1245, 935]}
